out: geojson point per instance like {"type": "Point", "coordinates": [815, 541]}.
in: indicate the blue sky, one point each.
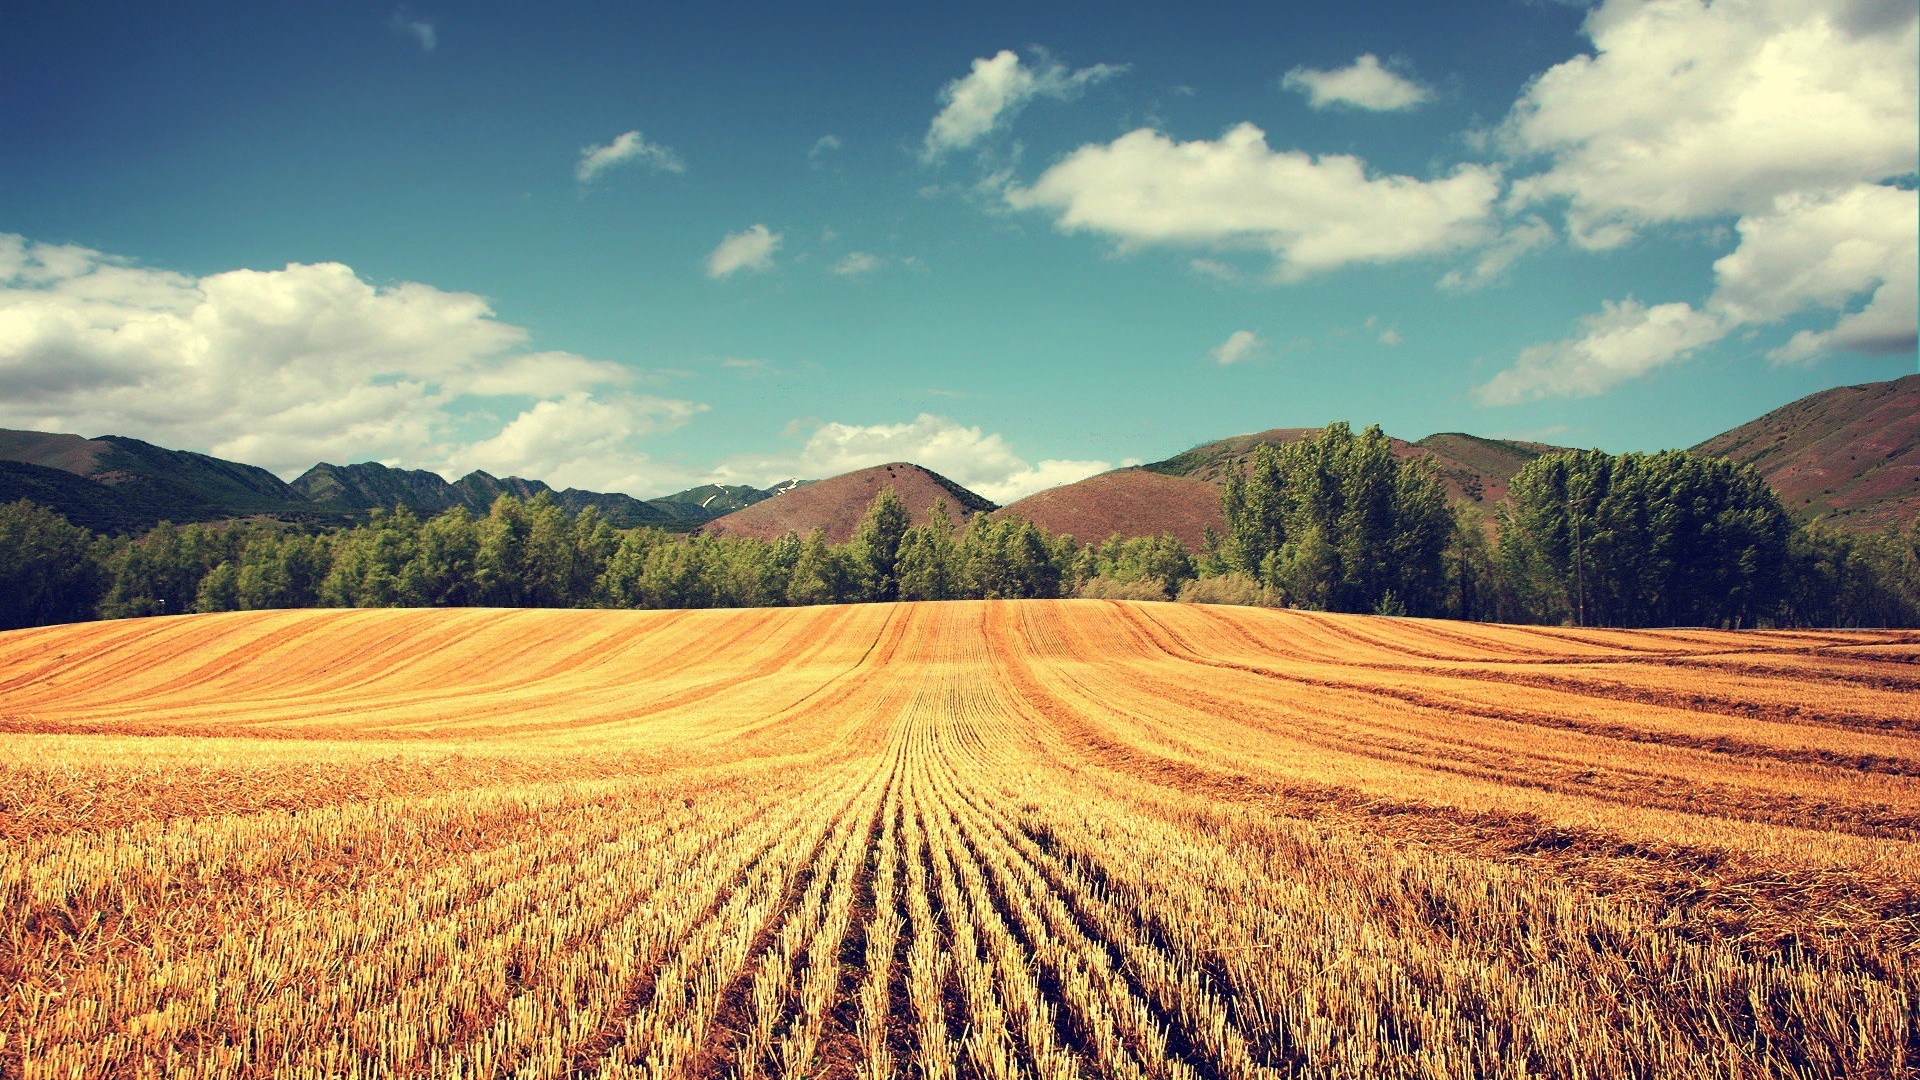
{"type": "Point", "coordinates": [639, 247]}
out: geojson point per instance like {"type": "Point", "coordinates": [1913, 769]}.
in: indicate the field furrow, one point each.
{"type": "Point", "coordinates": [996, 840]}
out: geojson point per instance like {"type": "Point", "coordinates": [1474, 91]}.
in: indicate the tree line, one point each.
{"type": "Point", "coordinates": [1334, 522]}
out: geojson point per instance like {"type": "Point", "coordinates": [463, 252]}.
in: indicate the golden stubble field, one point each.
{"type": "Point", "coordinates": [1019, 840]}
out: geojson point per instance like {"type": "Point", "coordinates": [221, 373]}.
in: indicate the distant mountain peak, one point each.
{"type": "Point", "coordinates": [836, 505]}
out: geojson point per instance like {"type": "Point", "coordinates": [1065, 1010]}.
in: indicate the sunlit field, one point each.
{"type": "Point", "coordinates": [1017, 840]}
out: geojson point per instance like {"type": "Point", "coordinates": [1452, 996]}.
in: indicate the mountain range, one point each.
{"type": "Point", "coordinates": [116, 484]}
{"type": "Point", "coordinates": [1849, 456]}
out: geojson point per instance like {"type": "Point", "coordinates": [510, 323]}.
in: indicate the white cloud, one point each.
{"type": "Point", "coordinates": [1390, 337]}
{"type": "Point", "coordinates": [1690, 109]}
{"type": "Point", "coordinates": [751, 248]}
{"type": "Point", "coordinates": [1820, 254]}
{"type": "Point", "coordinates": [996, 89]}
{"type": "Point", "coordinates": [977, 460]}
{"type": "Point", "coordinates": [580, 440]}
{"type": "Point", "coordinates": [1499, 256]}
{"type": "Point", "coordinates": [1625, 340]}
{"type": "Point", "coordinates": [1214, 269]}
{"type": "Point", "coordinates": [823, 149]}
{"type": "Point", "coordinates": [1807, 254]}
{"type": "Point", "coordinates": [1364, 84]}
{"type": "Point", "coordinates": [1312, 214]}
{"type": "Point", "coordinates": [1789, 114]}
{"type": "Point", "coordinates": [535, 374]}
{"type": "Point", "coordinates": [1240, 345]}
{"type": "Point", "coordinates": [284, 368]}
{"type": "Point", "coordinates": [420, 30]}
{"type": "Point", "coordinates": [630, 146]}
{"type": "Point", "coordinates": [855, 263]}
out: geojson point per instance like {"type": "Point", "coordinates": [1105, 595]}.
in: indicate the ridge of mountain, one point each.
{"type": "Point", "coordinates": [116, 459]}
{"type": "Point", "coordinates": [370, 485]}
{"type": "Point", "coordinates": [127, 507]}
{"type": "Point", "coordinates": [709, 501]}
{"type": "Point", "coordinates": [116, 484]}
{"type": "Point", "coordinates": [1849, 456]}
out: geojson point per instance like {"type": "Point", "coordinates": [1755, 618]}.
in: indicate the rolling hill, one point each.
{"type": "Point", "coordinates": [836, 505]}
{"type": "Point", "coordinates": [1181, 496]}
{"type": "Point", "coordinates": [1849, 456]}
{"type": "Point", "coordinates": [1130, 502]}
{"type": "Point", "coordinates": [116, 484]}
{"type": "Point", "coordinates": [128, 507]}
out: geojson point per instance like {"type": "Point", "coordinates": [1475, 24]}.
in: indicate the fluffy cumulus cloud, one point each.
{"type": "Point", "coordinates": [1626, 339]}
{"type": "Point", "coordinates": [751, 248]}
{"type": "Point", "coordinates": [976, 459]}
{"type": "Point", "coordinates": [995, 90]}
{"type": "Point", "coordinates": [1240, 345]}
{"type": "Point", "coordinates": [583, 438]}
{"type": "Point", "coordinates": [627, 148]}
{"type": "Point", "coordinates": [283, 368]}
{"type": "Point", "coordinates": [1312, 214]}
{"type": "Point", "coordinates": [1364, 84]}
{"type": "Point", "coordinates": [1687, 109]}
{"type": "Point", "coordinates": [1789, 115]}
{"type": "Point", "coordinates": [1822, 253]}
{"type": "Point", "coordinates": [1807, 254]}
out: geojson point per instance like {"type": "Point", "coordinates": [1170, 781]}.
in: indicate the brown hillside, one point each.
{"type": "Point", "coordinates": [1850, 455]}
{"type": "Point", "coordinates": [68, 453]}
{"type": "Point", "coordinates": [836, 505]}
{"type": "Point", "coordinates": [1476, 470]}
{"type": "Point", "coordinates": [1131, 502]}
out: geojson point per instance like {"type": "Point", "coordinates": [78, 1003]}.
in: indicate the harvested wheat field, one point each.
{"type": "Point", "coordinates": [1019, 840]}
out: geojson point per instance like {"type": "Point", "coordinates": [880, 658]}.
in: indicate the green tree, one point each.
{"type": "Point", "coordinates": [1644, 540]}
{"type": "Point", "coordinates": [1134, 560]}
{"type": "Point", "coordinates": [159, 574]}
{"type": "Point", "coordinates": [281, 571]}
{"type": "Point", "coordinates": [50, 569]}
{"type": "Point", "coordinates": [819, 575]}
{"type": "Point", "coordinates": [1849, 580]}
{"type": "Point", "coordinates": [1337, 521]}
{"type": "Point", "coordinates": [219, 589]}
{"type": "Point", "coordinates": [927, 568]}
{"type": "Point", "coordinates": [676, 576]}
{"type": "Point", "coordinates": [1006, 559]}
{"type": "Point", "coordinates": [369, 564]}
{"type": "Point", "coordinates": [876, 542]}
{"type": "Point", "coordinates": [446, 554]}
{"type": "Point", "coordinates": [622, 581]}
{"type": "Point", "coordinates": [1473, 581]}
